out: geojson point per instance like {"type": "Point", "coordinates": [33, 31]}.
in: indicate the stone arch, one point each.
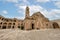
{"type": "Point", "coordinates": [9, 27]}
{"type": "Point", "coordinates": [13, 27]}
{"type": "Point", "coordinates": [18, 26]}
{"type": "Point", "coordinates": [3, 27]}
{"type": "Point", "coordinates": [55, 25]}
{"type": "Point", "coordinates": [22, 27]}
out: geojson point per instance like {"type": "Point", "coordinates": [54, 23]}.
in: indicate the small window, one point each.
{"type": "Point", "coordinates": [22, 27]}
{"type": "Point", "coordinates": [14, 20]}
{"type": "Point", "coordinates": [13, 23]}
{"type": "Point", "coordinates": [10, 23]}
{"type": "Point", "coordinates": [9, 27]}
{"type": "Point", "coordinates": [12, 26]}
{"type": "Point", "coordinates": [5, 23]}
{"type": "Point", "coordinates": [18, 26]}
{"type": "Point", "coordinates": [1, 23]}
{"type": "Point", "coordinates": [2, 18]}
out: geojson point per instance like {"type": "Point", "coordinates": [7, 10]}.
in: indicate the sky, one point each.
{"type": "Point", "coordinates": [16, 8]}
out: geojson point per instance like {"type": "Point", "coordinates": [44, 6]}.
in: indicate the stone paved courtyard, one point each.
{"type": "Point", "coordinates": [17, 34]}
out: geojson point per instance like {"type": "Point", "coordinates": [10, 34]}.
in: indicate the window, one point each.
{"type": "Point", "coordinates": [32, 26]}
{"type": "Point", "coordinates": [2, 18]}
{"type": "Point", "coordinates": [1, 23]}
{"type": "Point", "coordinates": [55, 25]}
{"type": "Point", "coordinates": [14, 20]}
{"type": "Point", "coordinates": [22, 27]}
{"type": "Point", "coordinates": [3, 27]}
{"type": "Point", "coordinates": [9, 27]}
{"type": "Point", "coordinates": [10, 23]}
{"type": "Point", "coordinates": [13, 23]}
{"type": "Point", "coordinates": [5, 23]}
{"type": "Point", "coordinates": [18, 26]}
{"type": "Point", "coordinates": [12, 26]}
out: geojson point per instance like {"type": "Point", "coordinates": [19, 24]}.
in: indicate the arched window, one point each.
{"type": "Point", "coordinates": [12, 26]}
{"type": "Point", "coordinates": [22, 27]}
{"type": "Point", "coordinates": [55, 25]}
{"type": "Point", "coordinates": [1, 23]}
{"type": "Point", "coordinates": [9, 27]}
{"type": "Point", "coordinates": [18, 26]}
{"type": "Point", "coordinates": [13, 23]}
{"type": "Point", "coordinates": [3, 27]}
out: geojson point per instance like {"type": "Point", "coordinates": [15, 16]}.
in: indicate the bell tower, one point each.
{"type": "Point", "coordinates": [27, 12]}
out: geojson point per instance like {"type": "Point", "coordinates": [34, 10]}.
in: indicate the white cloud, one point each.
{"type": "Point", "coordinates": [33, 9]}
{"type": "Point", "coordinates": [18, 17]}
{"type": "Point", "coordinates": [55, 0]}
{"type": "Point", "coordinates": [15, 1]}
{"type": "Point", "coordinates": [5, 12]}
{"type": "Point", "coordinates": [23, 0]}
{"type": "Point", "coordinates": [43, 1]}
{"type": "Point", "coordinates": [57, 4]}
{"type": "Point", "coordinates": [56, 11]}
{"type": "Point", "coordinates": [36, 8]}
{"type": "Point", "coordinates": [54, 14]}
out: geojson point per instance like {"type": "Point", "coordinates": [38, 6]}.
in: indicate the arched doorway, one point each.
{"type": "Point", "coordinates": [22, 27]}
{"type": "Point", "coordinates": [3, 27]}
{"type": "Point", "coordinates": [55, 25]}
{"type": "Point", "coordinates": [32, 26]}
{"type": "Point", "coordinates": [0, 27]}
{"type": "Point", "coordinates": [9, 27]}
{"type": "Point", "coordinates": [13, 27]}
{"type": "Point", "coordinates": [18, 26]}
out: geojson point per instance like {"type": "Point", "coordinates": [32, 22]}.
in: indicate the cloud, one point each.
{"type": "Point", "coordinates": [54, 14]}
{"type": "Point", "coordinates": [15, 1]}
{"type": "Point", "coordinates": [33, 9]}
{"type": "Point", "coordinates": [54, 0]}
{"type": "Point", "coordinates": [23, 0]}
{"type": "Point", "coordinates": [18, 17]}
{"type": "Point", "coordinates": [5, 12]}
{"type": "Point", "coordinates": [43, 1]}
{"type": "Point", "coordinates": [57, 4]}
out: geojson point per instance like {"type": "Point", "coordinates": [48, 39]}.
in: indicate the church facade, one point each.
{"type": "Point", "coordinates": [36, 21]}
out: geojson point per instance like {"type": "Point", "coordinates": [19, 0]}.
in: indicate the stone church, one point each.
{"type": "Point", "coordinates": [36, 21]}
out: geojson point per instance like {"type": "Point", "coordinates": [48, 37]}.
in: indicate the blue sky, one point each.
{"type": "Point", "coordinates": [16, 8]}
